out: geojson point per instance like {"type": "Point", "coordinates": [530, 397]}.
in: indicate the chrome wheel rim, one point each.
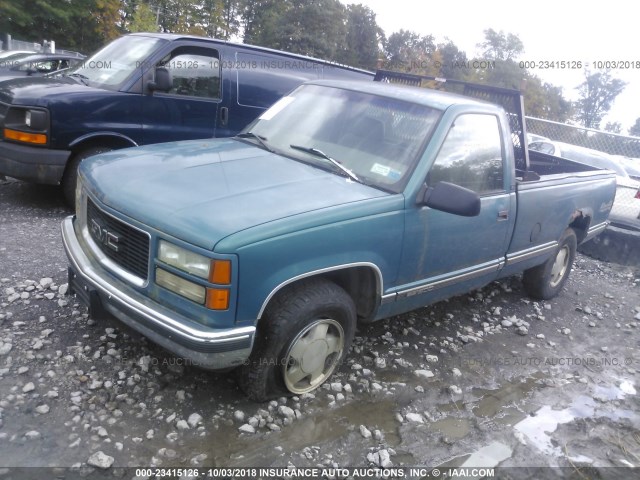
{"type": "Point", "coordinates": [313, 355]}
{"type": "Point", "coordinates": [560, 266]}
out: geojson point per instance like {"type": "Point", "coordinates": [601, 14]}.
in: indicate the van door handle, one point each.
{"type": "Point", "coordinates": [224, 116]}
{"type": "Point", "coordinates": [503, 215]}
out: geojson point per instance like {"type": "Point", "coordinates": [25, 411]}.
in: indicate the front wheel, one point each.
{"type": "Point", "coordinates": [70, 177]}
{"type": "Point", "coordinates": [305, 334]}
{"type": "Point", "coordinates": [545, 281]}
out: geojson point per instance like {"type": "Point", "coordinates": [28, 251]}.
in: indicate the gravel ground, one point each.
{"type": "Point", "coordinates": [489, 377]}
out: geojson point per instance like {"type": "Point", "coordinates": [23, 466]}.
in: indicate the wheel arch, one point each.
{"type": "Point", "coordinates": [112, 140]}
{"type": "Point", "coordinates": [362, 281]}
{"type": "Point", "coordinates": [580, 223]}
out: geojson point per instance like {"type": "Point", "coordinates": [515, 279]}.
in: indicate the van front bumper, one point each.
{"type": "Point", "coordinates": [199, 345]}
{"type": "Point", "coordinates": [33, 164]}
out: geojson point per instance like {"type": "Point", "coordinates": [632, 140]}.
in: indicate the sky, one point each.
{"type": "Point", "coordinates": [550, 31]}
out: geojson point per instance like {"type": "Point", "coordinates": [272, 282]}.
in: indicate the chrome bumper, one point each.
{"type": "Point", "coordinates": [199, 345]}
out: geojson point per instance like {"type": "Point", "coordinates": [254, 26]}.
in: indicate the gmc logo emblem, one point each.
{"type": "Point", "coordinates": [104, 236]}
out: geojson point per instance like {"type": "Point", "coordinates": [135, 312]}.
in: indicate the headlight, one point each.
{"type": "Point", "coordinates": [215, 271]}
{"type": "Point", "coordinates": [36, 119]}
{"type": "Point", "coordinates": [190, 290]}
{"type": "Point", "coordinates": [27, 125]}
{"type": "Point", "coordinates": [184, 260]}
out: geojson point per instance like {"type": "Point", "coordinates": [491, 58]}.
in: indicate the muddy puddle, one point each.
{"type": "Point", "coordinates": [330, 425]}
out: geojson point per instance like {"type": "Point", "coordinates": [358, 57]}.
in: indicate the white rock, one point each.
{"type": "Point", "coordinates": [414, 418]}
{"type": "Point", "coordinates": [29, 387]}
{"type": "Point", "coordinates": [238, 415]}
{"type": "Point", "coordinates": [423, 373]}
{"type": "Point", "coordinates": [42, 409]}
{"type": "Point", "coordinates": [384, 459]}
{"type": "Point", "coordinates": [194, 419]}
{"type": "Point", "coordinates": [285, 411]}
{"type": "Point", "coordinates": [456, 372]}
{"type": "Point", "coordinates": [32, 434]}
{"type": "Point", "coordinates": [455, 389]}
{"type": "Point", "coordinates": [182, 425]}
{"type": "Point", "coordinates": [365, 432]}
{"type": "Point", "coordinates": [62, 289]}
{"type": "Point", "coordinates": [46, 282]}
{"type": "Point", "coordinates": [336, 387]}
{"type": "Point", "coordinates": [5, 347]}
{"type": "Point", "coordinates": [246, 428]}
{"type": "Point", "coordinates": [100, 460]}
{"type": "Point", "coordinates": [432, 358]}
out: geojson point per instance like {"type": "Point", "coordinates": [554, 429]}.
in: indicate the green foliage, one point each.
{"type": "Point", "coordinates": [501, 46]}
{"type": "Point", "coordinates": [408, 51]}
{"type": "Point", "coordinates": [143, 19]}
{"type": "Point", "coordinates": [613, 127]}
{"type": "Point", "coordinates": [635, 129]}
{"type": "Point", "coordinates": [316, 28]}
{"type": "Point", "coordinates": [363, 40]}
{"type": "Point", "coordinates": [543, 100]}
{"type": "Point", "coordinates": [82, 25]}
{"type": "Point", "coordinates": [597, 94]}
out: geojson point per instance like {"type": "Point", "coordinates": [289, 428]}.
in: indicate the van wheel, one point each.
{"type": "Point", "coordinates": [545, 281]}
{"type": "Point", "coordinates": [304, 336]}
{"type": "Point", "coordinates": [70, 177]}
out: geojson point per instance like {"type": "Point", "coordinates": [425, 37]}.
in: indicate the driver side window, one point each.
{"type": "Point", "coordinates": [471, 155]}
{"type": "Point", "coordinates": [195, 72]}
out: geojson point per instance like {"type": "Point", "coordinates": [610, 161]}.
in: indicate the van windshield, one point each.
{"type": "Point", "coordinates": [377, 140]}
{"type": "Point", "coordinates": [110, 66]}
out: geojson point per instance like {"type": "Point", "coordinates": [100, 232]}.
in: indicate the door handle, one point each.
{"type": "Point", "coordinates": [224, 116]}
{"type": "Point", "coordinates": [503, 215]}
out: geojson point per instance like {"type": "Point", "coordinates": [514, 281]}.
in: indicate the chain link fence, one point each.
{"type": "Point", "coordinates": [623, 150]}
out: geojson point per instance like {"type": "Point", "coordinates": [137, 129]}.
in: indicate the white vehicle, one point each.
{"type": "Point", "coordinates": [626, 207]}
{"type": "Point", "coordinates": [14, 54]}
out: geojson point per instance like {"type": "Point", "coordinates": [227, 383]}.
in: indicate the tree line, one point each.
{"type": "Point", "coordinates": [327, 29]}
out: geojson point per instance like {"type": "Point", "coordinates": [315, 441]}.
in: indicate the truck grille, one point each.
{"type": "Point", "coordinates": [123, 244]}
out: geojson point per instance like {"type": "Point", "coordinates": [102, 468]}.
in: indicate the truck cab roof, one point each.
{"type": "Point", "coordinates": [423, 96]}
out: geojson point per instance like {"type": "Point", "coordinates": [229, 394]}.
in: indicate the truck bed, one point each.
{"type": "Point", "coordinates": [554, 193]}
{"type": "Point", "coordinates": [544, 165]}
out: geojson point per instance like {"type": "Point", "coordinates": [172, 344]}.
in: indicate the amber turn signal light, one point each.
{"type": "Point", "coordinates": [217, 298]}
{"type": "Point", "coordinates": [37, 138]}
{"type": "Point", "coordinates": [220, 272]}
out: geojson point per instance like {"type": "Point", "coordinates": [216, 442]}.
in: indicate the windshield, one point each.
{"type": "Point", "coordinates": [114, 63]}
{"type": "Point", "coordinates": [377, 139]}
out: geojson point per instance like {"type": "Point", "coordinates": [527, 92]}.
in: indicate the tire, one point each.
{"type": "Point", "coordinates": [70, 177]}
{"type": "Point", "coordinates": [545, 281]}
{"type": "Point", "coordinates": [303, 337]}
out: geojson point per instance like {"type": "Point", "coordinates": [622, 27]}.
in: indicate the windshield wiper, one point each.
{"type": "Point", "coordinates": [261, 140]}
{"type": "Point", "coordinates": [82, 78]}
{"type": "Point", "coordinates": [321, 154]}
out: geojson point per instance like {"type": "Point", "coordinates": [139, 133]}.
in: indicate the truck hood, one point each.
{"type": "Point", "coordinates": [202, 191]}
{"type": "Point", "coordinates": [37, 91]}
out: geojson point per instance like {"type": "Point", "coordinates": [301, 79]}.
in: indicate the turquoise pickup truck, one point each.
{"type": "Point", "coordinates": [345, 202]}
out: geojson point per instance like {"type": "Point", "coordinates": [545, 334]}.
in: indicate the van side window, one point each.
{"type": "Point", "coordinates": [195, 72]}
{"type": "Point", "coordinates": [471, 155]}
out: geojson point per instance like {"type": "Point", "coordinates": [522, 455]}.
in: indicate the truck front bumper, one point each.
{"type": "Point", "coordinates": [199, 345]}
{"type": "Point", "coordinates": [33, 164]}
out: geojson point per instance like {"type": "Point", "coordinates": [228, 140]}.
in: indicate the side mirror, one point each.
{"type": "Point", "coordinates": [451, 198]}
{"type": "Point", "coordinates": [163, 81]}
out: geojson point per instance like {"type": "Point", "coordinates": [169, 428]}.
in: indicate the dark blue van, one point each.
{"type": "Point", "coordinates": [142, 89]}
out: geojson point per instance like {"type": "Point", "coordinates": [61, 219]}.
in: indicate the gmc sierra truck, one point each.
{"type": "Point", "coordinates": [344, 202]}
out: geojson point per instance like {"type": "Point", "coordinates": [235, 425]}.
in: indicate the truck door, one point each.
{"type": "Point", "coordinates": [189, 110]}
{"type": "Point", "coordinates": [445, 253]}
